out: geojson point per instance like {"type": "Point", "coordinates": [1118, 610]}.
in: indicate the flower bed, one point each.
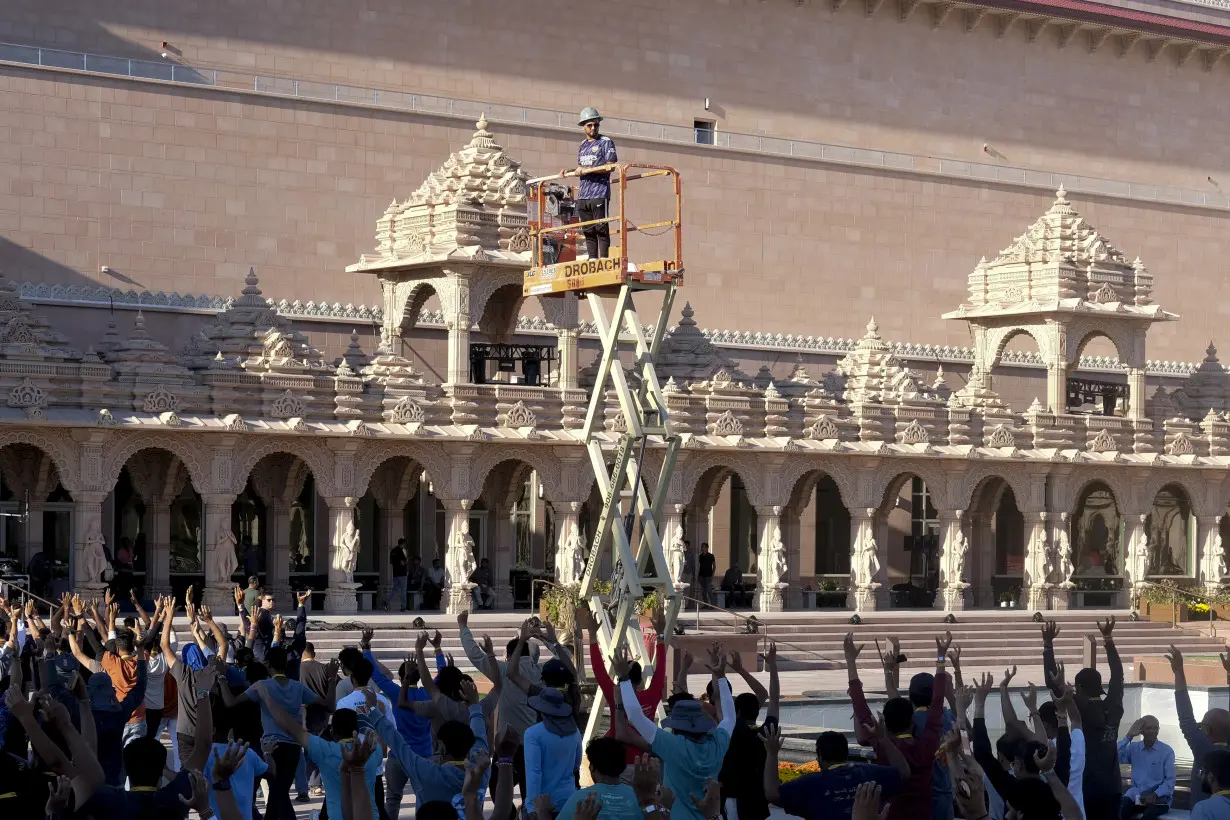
{"type": "Point", "coordinates": [787, 772]}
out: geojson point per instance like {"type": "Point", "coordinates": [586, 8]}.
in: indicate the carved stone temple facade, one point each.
{"type": "Point", "coordinates": [1037, 504]}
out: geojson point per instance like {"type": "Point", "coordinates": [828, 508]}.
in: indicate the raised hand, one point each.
{"type": "Point", "coordinates": [985, 685]}
{"type": "Point", "coordinates": [646, 777]}
{"type": "Point", "coordinates": [954, 658]}
{"type": "Point", "coordinates": [507, 741]}
{"type": "Point", "coordinates": [770, 657]}
{"type": "Point", "coordinates": [58, 793]}
{"type": "Point", "coordinates": [850, 649]}
{"type": "Point", "coordinates": [717, 659]}
{"type": "Point", "coordinates": [867, 803]}
{"type": "Point", "coordinates": [1175, 657]}
{"type": "Point", "coordinates": [487, 647]}
{"type": "Point", "coordinates": [474, 777]}
{"type": "Point", "coordinates": [1107, 627]}
{"type": "Point", "coordinates": [1135, 728]}
{"type": "Point", "coordinates": [1050, 631]}
{"type": "Point", "coordinates": [620, 664]}
{"type": "Point", "coordinates": [711, 803]}
{"type": "Point", "coordinates": [435, 641]}
{"type": "Point", "coordinates": [238, 596]}
{"type": "Point", "coordinates": [355, 755]}
{"type": "Point", "coordinates": [1030, 697]}
{"type": "Point", "coordinates": [302, 597]}
{"type": "Point", "coordinates": [469, 692]}
{"type": "Point", "coordinates": [1009, 674]}
{"type": "Point", "coordinates": [736, 661]}
{"type": "Point", "coordinates": [227, 762]}
{"type": "Point", "coordinates": [420, 642]}
{"type": "Point", "coordinates": [198, 796]}
{"type": "Point", "coordinates": [942, 643]}
{"type": "Point", "coordinates": [108, 598]}
{"type": "Point", "coordinates": [772, 738]}
{"type": "Point", "coordinates": [587, 809]}
{"type": "Point", "coordinates": [1045, 761]}
{"type": "Point", "coordinates": [365, 640]}
{"type": "Point", "coordinates": [965, 696]}
{"type": "Point", "coordinates": [463, 619]}
{"type": "Point", "coordinates": [206, 613]}
{"type": "Point", "coordinates": [586, 619]}
{"type": "Point", "coordinates": [1058, 677]}
{"type": "Point", "coordinates": [547, 632]}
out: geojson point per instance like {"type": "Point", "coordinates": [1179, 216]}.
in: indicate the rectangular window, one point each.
{"type": "Point", "coordinates": [704, 130]}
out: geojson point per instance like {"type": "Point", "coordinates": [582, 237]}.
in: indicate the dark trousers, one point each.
{"type": "Point", "coordinates": [285, 762]}
{"type": "Point", "coordinates": [153, 717]}
{"type": "Point", "coordinates": [597, 237]}
{"type": "Point", "coordinates": [1102, 806]}
{"type": "Point", "coordinates": [518, 774]}
{"type": "Point", "coordinates": [1128, 810]}
{"type": "Point", "coordinates": [186, 744]}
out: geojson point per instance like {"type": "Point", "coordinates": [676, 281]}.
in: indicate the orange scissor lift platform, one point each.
{"type": "Point", "coordinates": [561, 272]}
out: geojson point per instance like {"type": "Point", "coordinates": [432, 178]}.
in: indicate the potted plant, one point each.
{"type": "Point", "coordinates": [558, 605]}
{"type": "Point", "coordinates": [832, 595]}
{"type": "Point", "coordinates": [1009, 597]}
{"type": "Point", "coordinates": [646, 606]}
{"type": "Point", "coordinates": [1165, 602]}
{"type": "Point", "coordinates": [809, 597]}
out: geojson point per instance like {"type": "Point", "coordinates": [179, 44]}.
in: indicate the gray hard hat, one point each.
{"type": "Point", "coordinates": [589, 114]}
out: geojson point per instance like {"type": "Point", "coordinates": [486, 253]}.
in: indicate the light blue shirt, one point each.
{"type": "Point", "coordinates": [551, 763]}
{"type": "Point", "coordinates": [291, 695]}
{"type": "Point", "coordinates": [1215, 808]}
{"type": "Point", "coordinates": [243, 781]}
{"type": "Point", "coordinates": [327, 756]}
{"type": "Point", "coordinates": [1152, 768]}
{"type": "Point", "coordinates": [618, 802]}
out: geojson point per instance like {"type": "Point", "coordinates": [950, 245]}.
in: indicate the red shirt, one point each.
{"type": "Point", "coordinates": [918, 751]}
{"type": "Point", "coordinates": [649, 697]}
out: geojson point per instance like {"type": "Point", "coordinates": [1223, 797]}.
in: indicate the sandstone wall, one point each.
{"type": "Point", "coordinates": [181, 189]}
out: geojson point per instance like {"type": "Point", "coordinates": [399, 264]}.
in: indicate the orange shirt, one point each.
{"type": "Point", "coordinates": [123, 674]}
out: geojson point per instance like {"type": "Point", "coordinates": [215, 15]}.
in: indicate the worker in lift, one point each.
{"type": "Point", "coordinates": [594, 192]}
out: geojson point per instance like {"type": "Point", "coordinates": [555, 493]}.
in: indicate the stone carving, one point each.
{"type": "Point", "coordinates": [18, 332]}
{"type": "Point", "coordinates": [105, 419]}
{"type": "Point", "coordinates": [288, 405]}
{"type": "Point", "coordinates": [223, 561]}
{"type": "Point", "coordinates": [1105, 294]}
{"type": "Point", "coordinates": [94, 558]}
{"type": "Point", "coordinates": [822, 429]}
{"type": "Point", "coordinates": [727, 425]}
{"type": "Point", "coordinates": [519, 416]}
{"type": "Point", "coordinates": [1063, 547]}
{"type": "Point", "coordinates": [27, 394]}
{"type": "Point", "coordinates": [520, 241]}
{"type": "Point", "coordinates": [359, 428]}
{"type": "Point", "coordinates": [1181, 445]}
{"type": "Point", "coordinates": [1103, 442]}
{"type": "Point", "coordinates": [235, 423]}
{"type": "Point", "coordinates": [161, 400]}
{"type": "Point", "coordinates": [461, 563]}
{"type": "Point", "coordinates": [277, 346]}
{"type": "Point", "coordinates": [676, 556]}
{"type": "Point", "coordinates": [407, 411]}
{"type": "Point", "coordinates": [570, 557]}
{"type": "Point", "coordinates": [347, 556]}
{"type": "Point", "coordinates": [960, 552]}
{"type": "Point", "coordinates": [298, 425]}
{"type": "Point", "coordinates": [866, 557]}
{"type": "Point", "coordinates": [773, 559]}
{"type": "Point", "coordinates": [1001, 436]}
{"type": "Point", "coordinates": [915, 433]}
{"type": "Point", "coordinates": [170, 419]}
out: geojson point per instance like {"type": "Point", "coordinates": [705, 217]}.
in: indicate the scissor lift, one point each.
{"type": "Point", "coordinates": [644, 410]}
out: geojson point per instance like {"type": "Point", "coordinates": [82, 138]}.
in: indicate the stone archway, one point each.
{"type": "Point", "coordinates": [995, 527]}
{"type": "Point", "coordinates": [817, 534]}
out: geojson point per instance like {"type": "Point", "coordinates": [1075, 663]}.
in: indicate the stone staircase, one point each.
{"type": "Point", "coordinates": [987, 638]}
{"type": "Point", "coordinates": [812, 641]}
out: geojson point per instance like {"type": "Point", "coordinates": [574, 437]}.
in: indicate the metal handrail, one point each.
{"type": "Point", "coordinates": [1175, 593]}
{"type": "Point", "coordinates": [26, 593]}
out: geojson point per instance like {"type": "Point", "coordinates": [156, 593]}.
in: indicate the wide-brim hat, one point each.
{"type": "Point", "coordinates": [551, 702]}
{"type": "Point", "coordinates": [689, 716]}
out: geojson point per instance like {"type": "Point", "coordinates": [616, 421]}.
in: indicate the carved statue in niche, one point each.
{"type": "Point", "coordinates": [94, 562]}
{"type": "Point", "coordinates": [461, 564]}
{"type": "Point", "coordinates": [866, 558]}
{"type": "Point", "coordinates": [570, 559]}
{"type": "Point", "coordinates": [773, 559]}
{"type": "Point", "coordinates": [1064, 548]}
{"type": "Point", "coordinates": [348, 550]}
{"type": "Point", "coordinates": [960, 551]}
{"type": "Point", "coordinates": [676, 555]}
{"type": "Point", "coordinates": [224, 560]}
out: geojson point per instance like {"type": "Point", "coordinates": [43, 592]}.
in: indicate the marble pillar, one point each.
{"type": "Point", "coordinates": [771, 571]}
{"type": "Point", "coordinates": [158, 547]}
{"type": "Point", "coordinates": [869, 557]}
{"type": "Point", "coordinates": [954, 562]}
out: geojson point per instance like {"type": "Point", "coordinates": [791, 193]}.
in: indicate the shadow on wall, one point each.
{"type": "Point", "coordinates": [21, 264]}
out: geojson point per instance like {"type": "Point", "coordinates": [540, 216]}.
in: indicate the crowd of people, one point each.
{"type": "Point", "coordinates": [90, 697]}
